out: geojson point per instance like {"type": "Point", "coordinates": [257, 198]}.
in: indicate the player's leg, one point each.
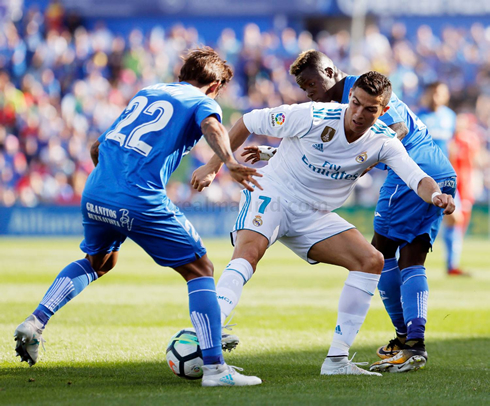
{"type": "Point", "coordinates": [249, 249]}
{"type": "Point", "coordinates": [350, 250]}
{"type": "Point", "coordinates": [256, 228]}
{"type": "Point", "coordinates": [417, 223]}
{"type": "Point", "coordinates": [101, 244]}
{"type": "Point", "coordinates": [414, 293]}
{"type": "Point", "coordinates": [205, 317]}
{"type": "Point", "coordinates": [71, 281]}
{"type": "Point", "coordinates": [389, 213]}
{"type": "Point", "coordinates": [389, 288]}
{"type": "Point", "coordinates": [454, 230]}
{"type": "Point", "coordinates": [171, 240]}
{"type": "Point", "coordinates": [453, 238]}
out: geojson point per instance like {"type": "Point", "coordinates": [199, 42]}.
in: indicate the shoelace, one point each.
{"type": "Point", "coordinates": [42, 340]}
{"type": "Point", "coordinates": [229, 326]}
{"type": "Point", "coordinates": [392, 343]}
{"type": "Point", "coordinates": [357, 363]}
{"type": "Point", "coordinates": [233, 367]}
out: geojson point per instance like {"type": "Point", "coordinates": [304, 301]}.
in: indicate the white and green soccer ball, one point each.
{"type": "Point", "coordinates": [184, 356]}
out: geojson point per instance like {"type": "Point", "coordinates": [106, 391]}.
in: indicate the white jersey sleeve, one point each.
{"type": "Point", "coordinates": [286, 121]}
{"type": "Point", "coordinates": [396, 157]}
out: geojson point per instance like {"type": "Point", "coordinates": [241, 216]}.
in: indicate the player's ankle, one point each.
{"type": "Point", "coordinates": [401, 337]}
{"type": "Point", "coordinates": [416, 344]}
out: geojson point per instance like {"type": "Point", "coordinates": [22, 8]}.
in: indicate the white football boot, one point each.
{"type": "Point", "coordinates": [229, 341]}
{"type": "Point", "coordinates": [227, 375]}
{"type": "Point", "coordinates": [28, 336]}
{"type": "Point", "coordinates": [344, 366]}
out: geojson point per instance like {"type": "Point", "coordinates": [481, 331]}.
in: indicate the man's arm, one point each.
{"type": "Point", "coordinates": [217, 137]}
{"type": "Point", "coordinates": [94, 152]}
{"type": "Point", "coordinates": [430, 193]}
{"type": "Point", "coordinates": [397, 158]}
{"type": "Point", "coordinates": [204, 176]}
{"type": "Point", "coordinates": [238, 134]}
{"type": "Point", "coordinates": [400, 128]}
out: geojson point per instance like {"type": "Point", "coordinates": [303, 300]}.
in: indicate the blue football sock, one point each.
{"type": "Point", "coordinates": [205, 317]}
{"type": "Point", "coordinates": [415, 292]}
{"type": "Point", "coordinates": [70, 282]}
{"type": "Point", "coordinates": [389, 290]}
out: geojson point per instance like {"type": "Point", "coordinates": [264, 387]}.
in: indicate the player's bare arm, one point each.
{"type": "Point", "coordinates": [425, 187]}
{"type": "Point", "coordinates": [430, 193]}
{"type": "Point", "coordinates": [94, 152]}
{"type": "Point", "coordinates": [217, 138]}
{"type": "Point", "coordinates": [400, 128]}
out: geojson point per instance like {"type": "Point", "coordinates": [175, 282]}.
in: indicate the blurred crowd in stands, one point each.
{"type": "Point", "coordinates": [61, 86]}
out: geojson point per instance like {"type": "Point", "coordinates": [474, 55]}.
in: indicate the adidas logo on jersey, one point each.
{"type": "Point", "coordinates": [319, 147]}
{"type": "Point", "coordinates": [338, 330]}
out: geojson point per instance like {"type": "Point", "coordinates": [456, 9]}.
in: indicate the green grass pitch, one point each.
{"type": "Point", "coordinates": [107, 347]}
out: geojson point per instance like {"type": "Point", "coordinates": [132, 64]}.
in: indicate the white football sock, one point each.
{"type": "Point", "coordinates": [230, 285]}
{"type": "Point", "coordinates": [354, 303]}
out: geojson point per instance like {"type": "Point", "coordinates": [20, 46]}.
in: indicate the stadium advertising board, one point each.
{"type": "Point", "coordinates": [210, 222]}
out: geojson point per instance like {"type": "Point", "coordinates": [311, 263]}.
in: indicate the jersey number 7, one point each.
{"type": "Point", "coordinates": [135, 109]}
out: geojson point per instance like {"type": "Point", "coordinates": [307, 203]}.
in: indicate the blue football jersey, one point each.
{"type": "Point", "coordinates": [139, 152]}
{"type": "Point", "coordinates": [417, 142]}
{"type": "Point", "coordinates": [441, 125]}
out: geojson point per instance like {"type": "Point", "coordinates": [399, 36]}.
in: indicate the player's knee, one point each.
{"type": "Point", "coordinates": [207, 268]}
{"type": "Point", "coordinates": [250, 252]}
{"type": "Point", "coordinates": [102, 265]}
{"type": "Point", "coordinates": [373, 262]}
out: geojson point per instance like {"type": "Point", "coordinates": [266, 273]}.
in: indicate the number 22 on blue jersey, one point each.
{"type": "Point", "coordinates": [129, 136]}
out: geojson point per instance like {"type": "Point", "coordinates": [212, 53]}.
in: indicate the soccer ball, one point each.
{"type": "Point", "coordinates": [184, 356]}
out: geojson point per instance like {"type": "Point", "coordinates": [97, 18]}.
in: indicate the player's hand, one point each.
{"type": "Point", "coordinates": [445, 202]}
{"type": "Point", "coordinates": [244, 175]}
{"type": "Point", "coordinates": [260, 153]}
{"type": "Point", "coordinates": [202, 177]}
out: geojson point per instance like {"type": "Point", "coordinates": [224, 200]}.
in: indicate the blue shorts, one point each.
{"type": "Point", "coordinates": [401, 215]}
{"type": "Point", "coordinates": [167, 236]}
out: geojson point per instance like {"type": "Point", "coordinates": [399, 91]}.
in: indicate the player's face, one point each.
{"type": "Point", "coordinates": [364, 109]}
{"type": "Point", "coordinates": [441, 95]}
{"type": "Point", "coordinates": [315, 83]}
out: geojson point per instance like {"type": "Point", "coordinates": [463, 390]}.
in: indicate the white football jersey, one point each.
{"type": "Point", "coordinates": [315, 163]}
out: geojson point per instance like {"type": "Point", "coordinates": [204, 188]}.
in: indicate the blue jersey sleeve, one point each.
{"type": "Point", "coordinates": [208, 107]}
{"type": "Point", "coordinates": [392, 116]}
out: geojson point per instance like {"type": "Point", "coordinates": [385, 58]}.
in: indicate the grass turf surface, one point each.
{"type": "Point", "coordinates": [108, 345]}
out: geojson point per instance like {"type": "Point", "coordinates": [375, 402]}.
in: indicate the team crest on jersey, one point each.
{"type": "Point", "coordinates": [362, 157]}
{"type": "Point", "coordinates": [319, 147]}
{"type": "Point", "coordinates": [257, 221]}
{"type": "Point", "coordinates": [327, 134]}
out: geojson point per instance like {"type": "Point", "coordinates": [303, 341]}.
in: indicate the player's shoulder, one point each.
{"type": "Point", "coordinates": [448, 112]}
{"type": "Point", "coordinates": [380, 128]}
{"type": "Point", "coordinates": [327, 111]}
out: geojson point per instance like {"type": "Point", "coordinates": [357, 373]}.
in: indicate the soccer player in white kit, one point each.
{"type": "Point", "coordinates": [325, 149]}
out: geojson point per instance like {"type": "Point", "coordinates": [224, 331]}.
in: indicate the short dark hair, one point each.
{"type": "Point", "coordinates": [205, 66]}
{"type": "Point", "coordinates": [434, 85]}
{"type": "Point", "coordinates": [375, 84]}
{"type": "Point", "coordinates": [309, 59]}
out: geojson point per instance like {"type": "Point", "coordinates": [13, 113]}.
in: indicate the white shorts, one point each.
{"type": "Point", "coordinates": [278, 216]}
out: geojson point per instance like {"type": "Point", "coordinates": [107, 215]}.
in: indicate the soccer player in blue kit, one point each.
{"type": "Point", "coordinates": [402, 220]}
{"type": "Point", "coordinates": [441, 121]}
{"type": "Point", "coordinates": [125, 197]}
